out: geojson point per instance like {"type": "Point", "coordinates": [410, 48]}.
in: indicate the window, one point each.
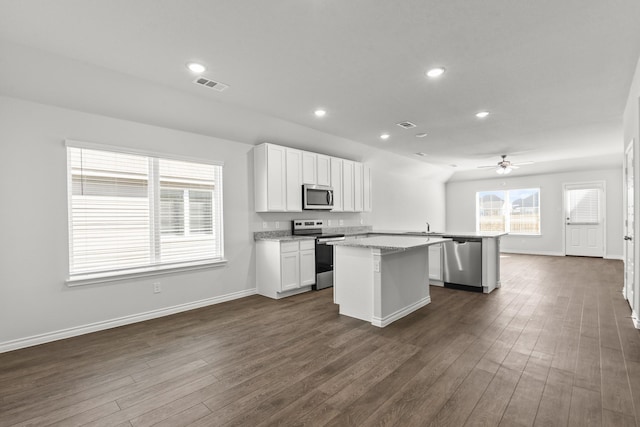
{"type": "Point", "coordinates": [512, 211]}
{"type": "Point", "coordinates": [584, 206]}
{"type": "Point", "coordinates": [134, 213]}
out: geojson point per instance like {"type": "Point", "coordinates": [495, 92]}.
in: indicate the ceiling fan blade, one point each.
{"type": "Point", "coordinates": [512, 166]}
{"type": "Point", "coordinates": [522, 163]}
{"type": "Point", "coordinates": [487, 167]}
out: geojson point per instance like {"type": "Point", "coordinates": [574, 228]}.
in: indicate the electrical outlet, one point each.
{"type": "Point", "coordinates": [342, 222]}
{"type": "Point", "coordinates": [265, 225]}
{"type": "Point", "coordinates": [361, 221]}
{"type": "Point", "coordinates": [277, 224]}
{"type": "Point", "coordinates": [376, 266]}
{"type": "Point", "coordinates": [157, 288]}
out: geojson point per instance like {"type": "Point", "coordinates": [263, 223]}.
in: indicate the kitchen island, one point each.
{"type": "Point", "coordinates": [382, 278]}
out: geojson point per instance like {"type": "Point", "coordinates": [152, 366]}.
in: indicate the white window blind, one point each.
{"type": "Point", "coordinates": [129, 212]}
{"type": "Point", "coordinates": [584, 206]}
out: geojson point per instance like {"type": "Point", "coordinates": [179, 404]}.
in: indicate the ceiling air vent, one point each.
{"type": "Point", "coordinates": [202, 81]}
{"type": "Point", "coordinates": [406, 125]}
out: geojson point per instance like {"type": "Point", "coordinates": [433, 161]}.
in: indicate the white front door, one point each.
{"type": "Point", "coordinates": [629, 264]}
{"type": "Point", "coordinates": [584, 213]}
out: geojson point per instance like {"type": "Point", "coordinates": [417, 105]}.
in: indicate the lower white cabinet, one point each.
{"type": "Point", "coordinates": [285, 268]}
{"type": "Point", "coordinates": [435, 263]}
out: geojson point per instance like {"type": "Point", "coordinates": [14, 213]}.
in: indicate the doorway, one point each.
{"type": "Point", "coordinates": [585, 216]}
{"type": "Point", "coordinates": [629, 224]}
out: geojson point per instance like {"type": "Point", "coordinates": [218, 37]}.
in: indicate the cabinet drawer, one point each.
{"type": "Point", "coordinates": [288, 247]}
{"type": "Point", "coordinates": [307, 244]}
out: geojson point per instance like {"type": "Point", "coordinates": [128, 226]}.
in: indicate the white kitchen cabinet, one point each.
{"type": "Point", "coordinates": [290, 270]}
{"type": "Point", "coordinates": [280, 172]}
{"type": "Point", "coordinates": [307, 266]}
{"type": "Point", "coordinates": [348, 198]}
{"type": "Point", "coordinates": [293, 180]}
{"type": "Point", "coordinates": [284, 268]}
{"type": "Point", "coordinates": [309, 168]}
{"type": "Point", "coordinates": [323, 170]}
{"type": "Point", "coordinates": [435, 263]}
{"type": "Point", "coordinates": [277, 178]}
{"type": "Point", "coordinates": [358, 193]}
{"type": "Point", "coordinates": [366, 188]}
{"type": "Point", "coordinates": [336, 183]}
{"type": "Point", "coordinates": [316, 169]}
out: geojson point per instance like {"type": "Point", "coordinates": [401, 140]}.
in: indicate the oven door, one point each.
{"type": "Point", "coordinates": [324, 262]}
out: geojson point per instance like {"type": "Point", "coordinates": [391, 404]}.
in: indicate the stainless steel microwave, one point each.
{"type": "Point", "coordinates": [317, 197]}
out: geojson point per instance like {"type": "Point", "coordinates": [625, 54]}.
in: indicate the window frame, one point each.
{"type": "Point", "coordinates": [507, 213]}
{"type": "Point", "coordinates": [154, 269]}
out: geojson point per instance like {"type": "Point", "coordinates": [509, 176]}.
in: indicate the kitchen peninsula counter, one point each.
{"type": "Point", "coordinates": [382, 278]}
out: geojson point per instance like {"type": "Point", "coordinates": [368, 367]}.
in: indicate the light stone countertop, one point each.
{"type": "Point", "coordinates": [391, 242]}
{"type": "Point", "coordinates": [477, 234]}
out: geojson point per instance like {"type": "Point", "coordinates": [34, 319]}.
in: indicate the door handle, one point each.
{"type": "Point", "coordinates": [628, 238]}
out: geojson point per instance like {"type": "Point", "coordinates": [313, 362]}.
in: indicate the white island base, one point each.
{"type": "Point", "coordinates": [380, 285]}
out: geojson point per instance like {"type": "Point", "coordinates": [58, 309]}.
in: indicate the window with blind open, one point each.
{"type": "Point", "coordinates": [131, 213]}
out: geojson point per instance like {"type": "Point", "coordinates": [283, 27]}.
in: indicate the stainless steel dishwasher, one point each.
{"type": "Point", "coordinates": [463, 264]}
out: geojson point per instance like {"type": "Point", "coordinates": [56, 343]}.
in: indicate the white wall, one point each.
{"type": "Point", "coordinates": [37, 306]}
{"type": "Point", "coordinates": [33, 249]}
{"type": "Point", "coordinates": [461, 209]}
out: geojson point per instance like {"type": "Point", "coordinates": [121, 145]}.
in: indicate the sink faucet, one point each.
{"type": "Point", "coordinates": [428, 228]}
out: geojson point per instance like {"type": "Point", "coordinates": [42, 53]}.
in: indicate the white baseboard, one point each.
{"type": "Point", "coordinates": [120, 321]}
{"type": "Point", "coordinates": [616, 257]}
{"type": "Point", "coordinates": [526, 252]}
{"type": "Point", "coordinates": [635, 319]}
{"type": "Point", "coordinates": [382, 322]}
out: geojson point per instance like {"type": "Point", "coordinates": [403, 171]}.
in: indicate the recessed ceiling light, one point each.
{"type": "Point", "coordinates": [435, 72]}
{"type": "Point", "coordinates": [421, 135]}
{"type": "Point", "coordinates": [196, 68]}
{"type": "Point", "coordinates": [482, 114]}
{"type": "Point", "coordinates": [320, 112]}
{"type": "Point", "coordinates": [384, 136]}
{"type": "Point", "coordinates": [421, 154]}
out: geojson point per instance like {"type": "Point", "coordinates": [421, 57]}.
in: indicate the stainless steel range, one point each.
{"type": "Point", "coordinates": [324, 252]}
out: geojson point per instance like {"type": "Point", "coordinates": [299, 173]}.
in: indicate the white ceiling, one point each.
{"type": "Point", "coordinates": [554, 74]}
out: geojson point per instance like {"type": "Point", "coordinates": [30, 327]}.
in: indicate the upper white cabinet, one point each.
{"type": "Point", "coordinates": [280, 172]}
{"type": "Point", "coordinates": [348, 200]}
{"type": "Point", "coordinates": [309, 168]}
{"type": "Point", "coordinates": [336, 183]}
{"type": "Point", "coordinates": [277, 178]}
{"type": "Point", "coordinates": [358, 194]}
{"type": "Point", "coordinates": [323, 169]}
{"type": "Point", "coordinates": [366, 188]}
{"type": "Point", "coordinates": [316, 169]}
{"type": "Point", "coordinates": [293, 180]}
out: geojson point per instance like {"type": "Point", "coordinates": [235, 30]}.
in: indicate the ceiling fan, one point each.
{"type": "Point", "coordinates": [505, 166]}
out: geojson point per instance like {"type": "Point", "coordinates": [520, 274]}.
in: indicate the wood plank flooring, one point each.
{"type": "Point", "coordinates": [553, 347]}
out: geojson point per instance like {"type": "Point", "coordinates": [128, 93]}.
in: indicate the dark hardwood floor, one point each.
{"type": "Point", "coordinates": [554, 346]}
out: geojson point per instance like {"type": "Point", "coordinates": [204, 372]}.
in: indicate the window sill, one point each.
{"type": "Point", "coordinates": [115, 276]}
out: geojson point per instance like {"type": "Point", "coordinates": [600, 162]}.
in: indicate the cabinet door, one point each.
{"type": "Point", "coordinates": [366, 186]}
{"type": "Point", "coordinates": [358, 198]}
{"type": "Point", "coordinates": [290, 270]}
{"type": "Point", "coordinates": [336, 183]}
{"type": "Point", "coordinates": [309, 173]}
{"type": "Point", "coordinates": [323, 170]}
{"type": "Point", "coordinates": [347, 186]}
{"type": "Point", "coordinates": [435, 262]}
{"type": "Point", "coordinates": [276, 179]}
{"type": "Point", "coordinates": [307, 268]}
{"type": "Point", "coordinates": [294, 180]}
